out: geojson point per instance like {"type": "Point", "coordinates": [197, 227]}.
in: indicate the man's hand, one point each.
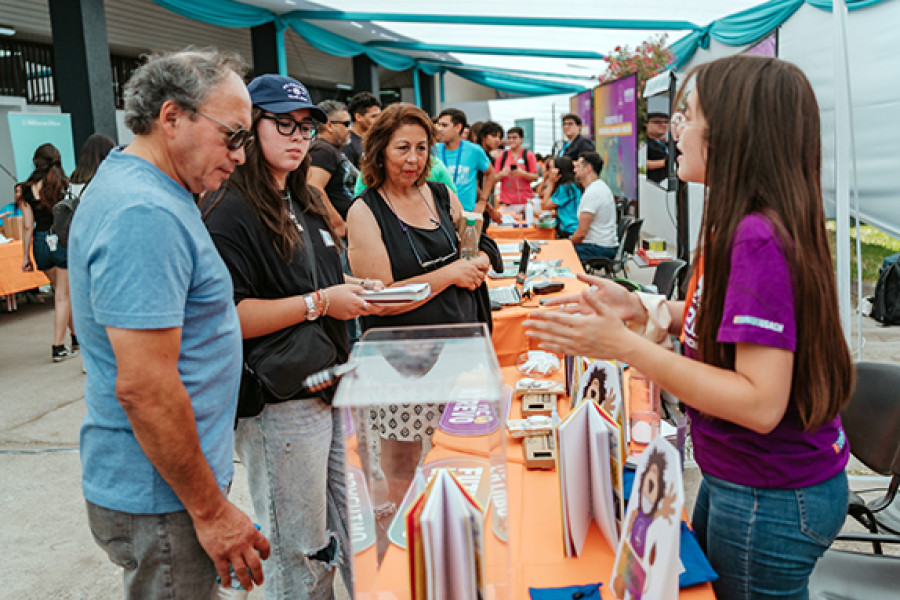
{"type": "Point", "coordinates": [229, 538]}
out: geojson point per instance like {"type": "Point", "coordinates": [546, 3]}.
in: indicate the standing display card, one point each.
{"type": "Point", "coordinates": [647, 563]}
{"type": "Point", "coordinates": [589, 465]}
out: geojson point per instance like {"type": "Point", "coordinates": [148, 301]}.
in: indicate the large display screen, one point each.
{"type": "Point", "coordinates": [616, 135]}
{"type": "Point", "coordinates": [581, 104]}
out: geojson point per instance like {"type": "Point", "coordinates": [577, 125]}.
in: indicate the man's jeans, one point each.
{"type": "Point", "coordinates": [161, 555]}
{"type": "Point", "coordinates": [588, 251]}
{"type": "Point", "coordinates": [294, 455]}
{"type": "Point", "coordinates": [764, 543]}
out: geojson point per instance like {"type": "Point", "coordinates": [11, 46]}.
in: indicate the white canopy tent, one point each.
{"type": "Point", "coordinates": [539, 34]}
{"type": "Point", "coordinates": [846, 57]}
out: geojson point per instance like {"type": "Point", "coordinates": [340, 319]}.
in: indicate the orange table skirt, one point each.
{"type": "Point", "coordinates": [509, 335]}
{"type": "Point", "coordinates": [536, 557]}
{"type": "Point", "coordinates": [507, 234]}
{"type": "Point", "coordinates": [12, 278]}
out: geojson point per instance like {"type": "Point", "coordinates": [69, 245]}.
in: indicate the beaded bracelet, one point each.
{"type": "Point", "coordinates": [327, 302]}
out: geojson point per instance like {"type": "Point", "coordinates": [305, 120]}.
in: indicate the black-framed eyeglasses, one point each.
{"type": "Point", "coordinates": [344, 123]}
{"type": "Point", "coordinates": [236, 139]}
{"type": "Point", "coordinates": [287, 126]}
{"type": "Point", "coordinates": [425, 264]}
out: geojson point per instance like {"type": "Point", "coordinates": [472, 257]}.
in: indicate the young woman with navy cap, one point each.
{"type": "Point", "coordinates": [265, 221]}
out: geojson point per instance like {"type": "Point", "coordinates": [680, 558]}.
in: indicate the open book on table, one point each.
{"type": "Point", "coordinates": [590, 459]}
{"type": "Point", "coordinates": [445, 542]}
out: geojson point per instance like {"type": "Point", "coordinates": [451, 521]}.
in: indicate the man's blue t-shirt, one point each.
{"type": "Point", "coordinates": [140, 258]}
{"type": "Point", "coordinates": [464, 164]}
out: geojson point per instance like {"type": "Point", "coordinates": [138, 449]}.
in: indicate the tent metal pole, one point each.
{"type": "Point", "coordinates": [280, 55]}
{"type": "Point", "coordinates": [417, 89]}
{"type": "Point", "coordinates": [842, 163]}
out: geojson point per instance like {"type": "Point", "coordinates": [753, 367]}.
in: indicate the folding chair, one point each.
{"type": "Point", "coordinates": [618, 263]}
{"type": "Point", "coordinates": [872, 424]}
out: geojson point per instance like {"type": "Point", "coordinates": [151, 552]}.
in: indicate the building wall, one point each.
{"type": "Point", "coordinates": [457, 89]}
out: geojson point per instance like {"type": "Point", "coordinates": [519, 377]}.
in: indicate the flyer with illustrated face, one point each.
{"type": "Point", "coordinates": [647, 562]}
{"type": "Point", "coordinates": [600, 383]}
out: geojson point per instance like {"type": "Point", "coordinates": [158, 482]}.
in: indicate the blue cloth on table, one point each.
{"type": "Point", "coordinates": [569, 592]}
{"type": "Point", "coordinates": [696, 566]}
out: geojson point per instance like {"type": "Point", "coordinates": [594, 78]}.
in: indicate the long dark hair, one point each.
{"type": "Point", "coordinates": [253, 182]}
{"type": "Point", "coordinates": [48, 170]}
{"type": "Point", "coordinates": [566, 169]}
{"type": "Point", "coordinates": [95, 149]}
{"type": "Point", "coordinates": [764, 157]}
{"type": "Point", "coordinates": [566, 172]}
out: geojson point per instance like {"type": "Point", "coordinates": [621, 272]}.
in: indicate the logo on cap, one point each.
{"type": "Point", "coordinates": [296, 92]}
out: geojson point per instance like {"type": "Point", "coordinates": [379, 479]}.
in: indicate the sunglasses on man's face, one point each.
{"type": "Point", "coordinates": [236, 138]}
{"type": "Point", "coordinates": [344, 123]}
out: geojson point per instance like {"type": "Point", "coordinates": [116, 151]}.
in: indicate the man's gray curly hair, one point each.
{"type": "Point", "coordinates": [186, 77]}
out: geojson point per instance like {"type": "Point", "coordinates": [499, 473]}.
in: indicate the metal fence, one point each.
{"type": "Point", "coordinates": [26, 71]}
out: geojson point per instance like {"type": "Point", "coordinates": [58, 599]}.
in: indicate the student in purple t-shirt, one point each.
{"type": "Point", "coordinates": [767, 368]}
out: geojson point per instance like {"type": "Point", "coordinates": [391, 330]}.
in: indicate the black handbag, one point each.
{"type": "Point", "coordinates": [282, 360]}
{"type": "Point", "coordinates": [274, 369]}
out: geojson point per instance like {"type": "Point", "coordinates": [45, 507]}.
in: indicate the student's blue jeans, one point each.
{"type": "Point", "coordinates": [764, 543]}
{"type": "Point", "coordinates": [294, 454]}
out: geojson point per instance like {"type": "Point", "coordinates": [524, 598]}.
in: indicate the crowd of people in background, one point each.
{"type": "Point", "coordinates": [278, 213]}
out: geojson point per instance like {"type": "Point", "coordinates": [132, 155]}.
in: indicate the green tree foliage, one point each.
{"type": "Point", "coordinates": [649, 59]}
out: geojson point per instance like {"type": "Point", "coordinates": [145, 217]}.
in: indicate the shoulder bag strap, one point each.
{"type": "Point", "coordinates": [308, 248]}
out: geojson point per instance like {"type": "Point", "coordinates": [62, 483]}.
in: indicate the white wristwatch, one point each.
{"type": "Point", "coordinates": [312, 311]}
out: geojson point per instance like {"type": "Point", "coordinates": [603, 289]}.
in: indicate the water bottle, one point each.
{"type": "Point", "coordinates": [529, 213]}
{"type": "Point", "coordinates": [469, 242]}
{"type": "Point", "coordinates": [233, 592]}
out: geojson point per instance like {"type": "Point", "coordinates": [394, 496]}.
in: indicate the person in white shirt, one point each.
{"type": "Point", "coordinates": [595, 236]}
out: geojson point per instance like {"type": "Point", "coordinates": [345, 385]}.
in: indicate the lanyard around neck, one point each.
{"type": "Point", "coordinates": [458, 156]}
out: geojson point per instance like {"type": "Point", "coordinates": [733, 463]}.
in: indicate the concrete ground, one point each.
{"type": "Point", "coordinates": [49, 552]}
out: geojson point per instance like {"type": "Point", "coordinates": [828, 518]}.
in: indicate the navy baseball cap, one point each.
{"type": "Point", "coordinates": [280, 94]}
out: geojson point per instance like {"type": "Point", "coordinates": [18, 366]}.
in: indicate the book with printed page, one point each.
{"type": "Point", "coordinates": [589, 468]}
{"type": "Point", "coordinates": [401, 294]}
{"type": "Point", "coordinates": [600, 381]}
{"type": "Point", "coordinates": [647, 561]}
{"type": "Point", "coordinates": [445, 538]}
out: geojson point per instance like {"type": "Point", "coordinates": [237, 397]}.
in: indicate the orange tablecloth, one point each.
{"type": "Point", "coordinates": [509, 336]}
{"type": "Point", "coordinates": [12, 278]}
{"type": "Point", "coordinates": [535, 525]}
{"type": "Point", "coordinates": [506, 234]}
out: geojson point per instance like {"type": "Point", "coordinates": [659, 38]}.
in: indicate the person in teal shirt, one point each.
{"type": "Point", "coordinates": [562, 194]}
{"type": "Point", "coordinates": [463, 159]}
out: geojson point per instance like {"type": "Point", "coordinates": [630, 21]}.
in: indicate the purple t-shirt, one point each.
{"type": "Point", "coordinates": [759, 309]}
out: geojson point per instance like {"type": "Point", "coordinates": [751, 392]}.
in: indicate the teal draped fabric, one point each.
{"type": "Point", "coordinates": [228, 13]}
{"type": "Point", "coordinates": [223, 13]}
{"type": "Point", "coordinates": [749, 26]}
{"type": "Point", "coordinates": [517, 85]}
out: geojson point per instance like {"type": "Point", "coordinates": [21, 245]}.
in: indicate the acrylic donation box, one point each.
{"type": "Point", "coordinates": [424, 416]}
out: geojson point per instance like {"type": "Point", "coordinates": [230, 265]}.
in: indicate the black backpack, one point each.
{"type": "Point", "coordinates": [63, 212]}
{"type": "Point", "coordinates": [524, 158]}
{"type": "Point", "coordinates": [886, 302]}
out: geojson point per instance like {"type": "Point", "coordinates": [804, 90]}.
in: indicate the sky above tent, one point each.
{"type": "Point", "coordinates": [556, 38]}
